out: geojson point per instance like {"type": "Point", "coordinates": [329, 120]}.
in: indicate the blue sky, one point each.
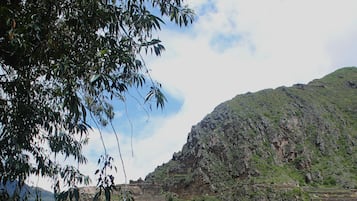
{"type": "Point", "coordinates": [234, 47]}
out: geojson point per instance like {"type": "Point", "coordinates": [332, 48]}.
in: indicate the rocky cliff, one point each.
{"type": "Point", "coordinates": [275, 144]}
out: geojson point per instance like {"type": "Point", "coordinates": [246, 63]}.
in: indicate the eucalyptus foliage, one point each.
{"type": "Point", "coordinates": [61, 60]}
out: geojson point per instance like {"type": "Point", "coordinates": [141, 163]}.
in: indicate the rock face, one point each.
{"type": "Point", "coordinates": [271, 145]}
{"type": "Point", "coordinates": [139, 191]}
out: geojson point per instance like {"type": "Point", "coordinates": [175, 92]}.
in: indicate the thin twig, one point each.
{"type": "Point", "coordinates": [141, 105]}
{"type": "Point", "coordinates": [131, 128]}
{"type": "Point", "coordinates": [120, 155]}
{"type": "Point", "coordinates": [100, 132]}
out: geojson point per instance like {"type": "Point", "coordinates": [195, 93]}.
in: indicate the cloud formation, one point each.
{"type": "Point", "coordinates": [240, 46]}
{"type": "Point", "coordinates": [235, 46]}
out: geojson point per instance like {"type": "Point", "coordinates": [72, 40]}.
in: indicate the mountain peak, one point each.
{"type": "Point", "coordinates": [281, 141]}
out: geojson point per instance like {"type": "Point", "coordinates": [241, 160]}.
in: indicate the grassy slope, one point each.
{"type": "Point", "coordinates": [283, 136]}
{"type": "Point", "coordinates": [326, 110]}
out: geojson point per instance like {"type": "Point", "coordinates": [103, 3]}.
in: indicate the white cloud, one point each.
{"type": "Point", "coordinates": [277, 42]}
{"type": "Point", "coordinates": [148, 152]}
{"type": "Point", "coordinates": [342, 48]}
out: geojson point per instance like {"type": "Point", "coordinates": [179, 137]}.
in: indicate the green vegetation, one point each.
{"type": "Point", "coordinates": [62, 65]}
{"type": "Point", "coordinates": [173, 197]}
{"type": "Point", "coordinates": [277, 144]}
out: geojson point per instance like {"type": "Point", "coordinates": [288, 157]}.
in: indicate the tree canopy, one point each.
{"type": "Point", "coordinates": [63, 62]}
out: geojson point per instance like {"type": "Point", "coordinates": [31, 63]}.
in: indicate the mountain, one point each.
{"type": "Point", "coordinates": [288, 143]}
{"type": "Point", "coordinates": [42, 193]}
{"type": "Point", "coordinates": [26, 192]}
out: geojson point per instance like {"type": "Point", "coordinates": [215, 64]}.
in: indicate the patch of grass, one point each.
{"type": "Point", "coordinates": [271, 173]}
{"type": "Point", "coordinates": [297, 193]}
{"type": "Point", "coordinates": [205, 198]}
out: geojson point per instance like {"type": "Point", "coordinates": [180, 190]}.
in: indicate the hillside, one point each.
{"type": "Point", "coordinates": [289, 143]}
{"type": "Point", "coordinates": [41, 193]}
{"type": "Point", "coordinates": [28, 193]}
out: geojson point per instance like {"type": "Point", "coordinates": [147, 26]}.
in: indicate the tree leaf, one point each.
{"type": "Point", "coordinates": [107, 192]}
{"type": "Point", "coordinates": [94, 78]}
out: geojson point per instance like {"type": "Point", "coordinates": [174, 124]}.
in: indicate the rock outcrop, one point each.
{"type": "Point", "coordinates": [271, 145]}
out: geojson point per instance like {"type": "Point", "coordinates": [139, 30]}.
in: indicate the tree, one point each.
{"type": "Point", "coordinates": [64, 61]}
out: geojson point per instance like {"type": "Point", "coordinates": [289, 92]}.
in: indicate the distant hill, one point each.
{"type": "Point", "coordinates": [289, 143]}
{"type": "Point", "coordinates": [42, 193]}
{"type": "Point", "coordinates": [31, 192]}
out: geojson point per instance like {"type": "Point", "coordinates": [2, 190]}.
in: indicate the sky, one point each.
{"type": "Point", "coordinates": [233, 47]}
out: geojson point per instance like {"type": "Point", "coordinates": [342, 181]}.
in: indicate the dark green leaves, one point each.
{"type": "Point", "coordinates": [71, 194]}
{"type": "Point", "coordinates": [94, 78]}
{"type": "Point", "coordinates": [154, 44]}
{"type": "Point", "coordinates": [158, 95]}
{"type": "Point", "coordinates": [105, 180]}
{"type": "Point", "coordinates": [178, 13]}
{"type": "Point", "coordinates": [61, 60]}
